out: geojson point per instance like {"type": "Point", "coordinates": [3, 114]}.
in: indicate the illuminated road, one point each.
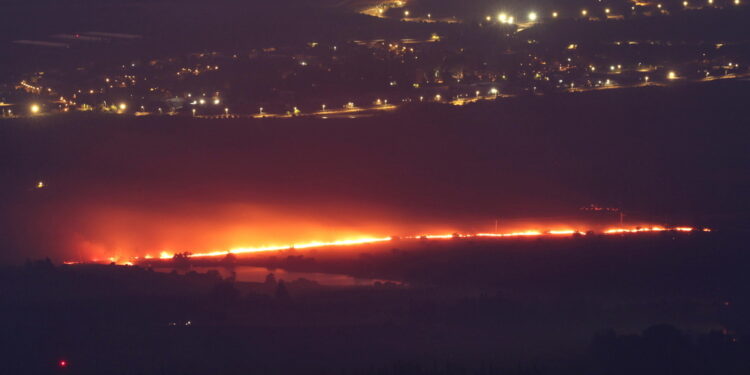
{"type": "Point", "coordinates": [379, 10]}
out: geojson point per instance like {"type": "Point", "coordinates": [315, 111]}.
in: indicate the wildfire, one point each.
{"type": "Point", "coordinates": [651, 229]}
{"type": "Point", "coordinates": [373, 240]}
{"type": "Point", "coordinates": [245, 250]}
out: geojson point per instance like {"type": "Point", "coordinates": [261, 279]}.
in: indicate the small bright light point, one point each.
{"type": "Point", "coordinates": [35, 108]}
{"type": "Point", "coordinates": [123, 106]}
{"type": "Point", "coordinates": [672, 75]}
{"type": "Point", "coordinates": [502, 17]}
{"type": "Point", "coordinates": [62, 363]}
{"type": "Point", "coordinates": [584, 12]}
{"type": "Point", "coordinates": [532, 16]}
{"type": "Point", "coordinates": [493, 91]}
{"type": "Point", "coordinates": [685, 3]}
{"type": "Point", "coordinates": [554, 14]}
{"type": "Point", "coordinates": [736, 2]}
{"type": "Point", "coordinates": [606, 10]}
{"type": "Point", "coordinates": [658, 6]}
{"type": "Point", "coordinates": [40, 185]}
{"type": "Point", "coordinates": [488, 18]}
{"type": "Point", "coordinates": [217, 101]}
{"type": "Point", "coordinates": [406, 13]}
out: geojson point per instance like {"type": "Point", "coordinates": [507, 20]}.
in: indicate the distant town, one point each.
{"type": "Point", "coordinates": [468, 57]}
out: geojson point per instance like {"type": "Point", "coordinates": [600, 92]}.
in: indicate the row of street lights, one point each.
{"type": "Point", "coordinates": [36, 108]}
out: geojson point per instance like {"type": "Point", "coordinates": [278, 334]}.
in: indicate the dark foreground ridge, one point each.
{"type": "Point", "coordinates": [647, 305]}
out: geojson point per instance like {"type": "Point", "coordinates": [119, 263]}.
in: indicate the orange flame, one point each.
{"type": "Point", "coordinates": [372, 240]}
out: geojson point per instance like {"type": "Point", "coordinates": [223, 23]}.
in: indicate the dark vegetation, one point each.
{"type": "Point", "coordinates": [584, 316]}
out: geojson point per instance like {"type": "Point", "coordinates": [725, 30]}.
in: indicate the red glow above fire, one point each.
{"type": "Point", "coordinates": [165, 254]}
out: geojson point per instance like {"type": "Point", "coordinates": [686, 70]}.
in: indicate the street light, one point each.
{"type": "Point", "coordinates": [532, 16]}
{"type": "Point", "coordinates": [35, 108]}
{"type": "Point", "coordinates": [123, 106]}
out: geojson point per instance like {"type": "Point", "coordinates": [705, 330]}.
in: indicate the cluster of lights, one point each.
{"type": "Point", "coordinates": [505, 19]}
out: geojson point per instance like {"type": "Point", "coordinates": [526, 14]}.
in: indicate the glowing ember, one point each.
{"type": "Point", "coordinates": [372, 240]}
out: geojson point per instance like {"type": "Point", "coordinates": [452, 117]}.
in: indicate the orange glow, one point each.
{"type": "Point", "coordinates": [355, 239]}
{"type": "Point", "coordinates": [514, 234]}
{"type": "Point", "coordinates": [374, 240]}
{"type": "Point", "coordinates": [635, 230]}
{"type": "Point", "coordinates": [245, 250]}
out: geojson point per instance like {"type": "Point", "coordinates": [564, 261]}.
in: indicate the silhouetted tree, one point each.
{"type": "Point", "coordinates": [270, 280]}
{"type": "Point", "coordinates": [229, 260]}
{"type": "Point", "coordinates": [281, 292]}
{"type": "Point", "coordinates": [182, 260]}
